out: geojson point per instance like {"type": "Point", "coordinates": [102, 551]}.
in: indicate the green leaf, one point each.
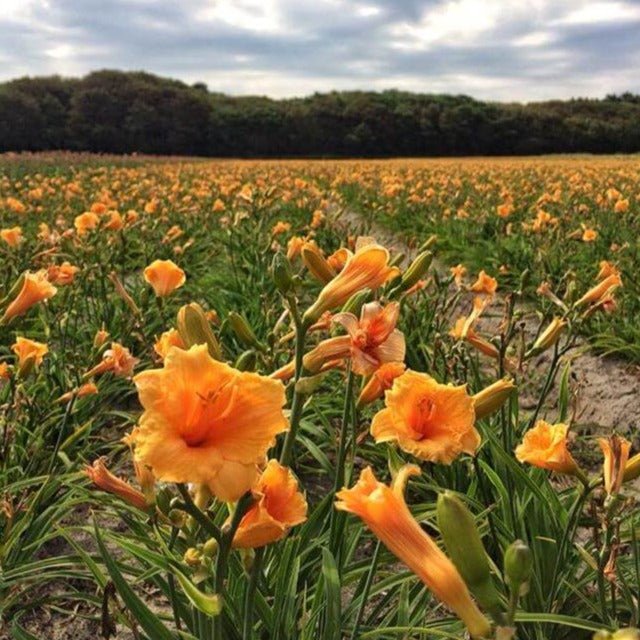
{"type": "Point", "coordinates": [142, 614]}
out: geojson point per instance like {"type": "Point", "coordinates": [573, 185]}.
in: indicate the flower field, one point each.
{"type": "Point", "coordinates": [230, 411]}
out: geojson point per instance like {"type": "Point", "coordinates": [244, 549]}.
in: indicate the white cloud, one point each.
{"type": "Point", "coordinates": [597, 13]}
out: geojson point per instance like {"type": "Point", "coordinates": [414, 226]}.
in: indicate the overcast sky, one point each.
{"type": "Point", "coordinates": [493, 49]}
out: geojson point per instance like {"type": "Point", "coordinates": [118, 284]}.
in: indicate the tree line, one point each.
{"type": "Point", "coordinates": [118, 112]}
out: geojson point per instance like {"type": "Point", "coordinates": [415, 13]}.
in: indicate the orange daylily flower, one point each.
{"type": "Point", "coordinates": [5, 372]}
{"type": "Point", "coordinates": [616, 455]}
{"type": "Point", "coordinates": [545, 446]}
{"type": "Point", "coordinates": [87, 389]}
{"type": "Point", "coordinates": [607, 269]}
{"type": "Point", "coordinates": [280, 227]}
{"type": "Point", "coordinates": [368, 267]}
{"type": "Point", "coordinates": [374, 338]}
{"type": "Point", "coordinates": [589, 235]}
{"type": "Point", "coordinates": [13, 237]}
{"type": "Point", "coordinates": [115, 221]}
{"type": "Point", "coordinates": [339, 258]}
{"type": "Point", "coordinates": [26, 349]}
{"type": "Point", "coordinates": [384, 510]}
{"type": "Point", "coordinates": [458, 272]}
{"type": "Point", "coordinates": [294, 247]}
{"type": "Point", "coordinates": [118, 360]}
{"type": "Point", "coordinates": [100, 475]}
{"type": "Point", "coordinates": [35, 288]}
{"type": "Point", "coordinates": [279, 506]}
{"type": "Point", "coordinates": [604, 288]}
{"type": "Point", "coordinates": [86, 222]}
{"type": "Point", "coordinates": [432, 421]}
{"type": "Point", "coordinates": [164, 276]}
{"type": "Point", "coordinates": [485, 284]}
{"type": "Point", "coordinates": [381, 380]}
{"type": "Point", "coordinates": [167, 340]}
{"type": "Point", "coordinates": [205, 422]}
{"type": "Point", "coordinates": [62, 274]}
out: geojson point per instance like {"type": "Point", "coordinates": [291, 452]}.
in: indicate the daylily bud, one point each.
{"type": "Point", "coordinates": [102, 335]}
{"type": "Point", "coordinates": [247, 556]}
{"type": "Point", "coordinates": [355, 302]}
{"type": "Point", "coordinates": [429, 242]}
{"type": "Point", "coordinates": [210, 548]}
{"type": "Point", "coordinates": [492, 397]}
{"type": "Point", "coordinates": [242, 330]}
{"type": "Point", "coordinates": [548, 337]}
{"type": "Point", "coordinates": [465, 548]}
{"type": "Point", "coordinates": [632, 468]}
{"type": "Point", "coordinates": [416, 270]}
{"type": "Point", "coordinates": [177, 518]}
{"type": "Point", "coordinates": [308, 384]}
{"type": "Point", "coordinates": [192, 557]}
{"type": "Point", "coordinates": [246, 361]}
{"type": "Point", "coordinates": [281, 272]}
{"type": "Point", "coordinates": [209, 603]}
{"type": "Point", "coordinates": [517, 566]}
{"type": "Point", "coordinates": [626, 634]}
{"type": "Point", "coordinates": [194, 328]}
{"type": "Point", "coordinates": [317, 264]}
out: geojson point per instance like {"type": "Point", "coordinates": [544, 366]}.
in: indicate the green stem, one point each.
{"type": "Point", "coordinates": [222, 561]}
{"type": "Point", "coordinates": [297, 403]}
{"type": "Point", "coordinates": [254, 576]}
{"type": "Point", "coordinates": [190, 507]}
{"type": "Point", "coordinates": [338, 517]}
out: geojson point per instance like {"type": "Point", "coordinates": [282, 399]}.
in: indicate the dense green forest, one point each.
{"type": "Point", "coordinates": [112, 111]}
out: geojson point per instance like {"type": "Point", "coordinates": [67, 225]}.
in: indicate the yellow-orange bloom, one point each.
{"type": "Point", "coordinates": [207, 423]}
{"type": "Point", "coordinates": [13, 237]}
{"type": "Point", "coordinates": [339, 258]}
{"type": "Point", "coordinates": [374, 338]}
{"type": "Point", "coordinates": [381, 380]}
{"type": "Point", "coordinates": [280, 227]}
{"type": "Point", "coordinates": [432, 421]}
{"type": "Point", "coordinates": [29, 352]}
{"type": "Point", "coordinates": [87, 389]}
{"type": "Point", "coordinates": [118, 360]}
{"type": "Point", "coordinates": [105, 480]}
{"type": "Point", "coordinates": [35, 288]}
{"type": "Point", "coordinates": [458, 272]}
{"type": "Point", "coordinates": [463, 330]}
{"type": "Point", "coordinates": [294, 247]}
{"type": "Point", "coordinates": [384, 510]}
{"type": "Point", "coordinates": [545, 446]}
{"type": "Point", "coordinates": [607, 269]}
{"type": "Point", "coordinates": [115, 221]}
{"type": "Point", "coordinates": [86, 222]}
{"type": "Point", "coordinates": [164, 276]}
{"type": "Point", "coordinates": [368, 268]}
{"type": "Point", "coordinates": [589, 235]}
{"type": "Point", "coordinates": [279, 506]}
{"type": "Point", "coordinates": [167, 340]}
{"type": "Point", "coordinates": [485, 284]}
{"type": "Point", "coordinates": [616, 454]}
{"type": "Point", "coordinates": [600, 291]}
{"type": "Point", "coordinates": [62, 274]}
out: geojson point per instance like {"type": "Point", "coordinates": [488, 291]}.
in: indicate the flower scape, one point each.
{"type": "Point", "coordinates": [234, 409]}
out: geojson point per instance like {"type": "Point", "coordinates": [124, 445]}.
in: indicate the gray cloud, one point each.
{"type": "Point", "coordinates": [495, 49]}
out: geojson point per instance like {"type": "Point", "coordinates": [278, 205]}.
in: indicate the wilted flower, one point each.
{"type": "Point", "coordinates": [100, 475]}
{"type": "Point", "coordinates": [62, 274]}
{"type": "Point", "coordinates": [616, 454]}
{"type": "Point", "coordinates": [118, 360]}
